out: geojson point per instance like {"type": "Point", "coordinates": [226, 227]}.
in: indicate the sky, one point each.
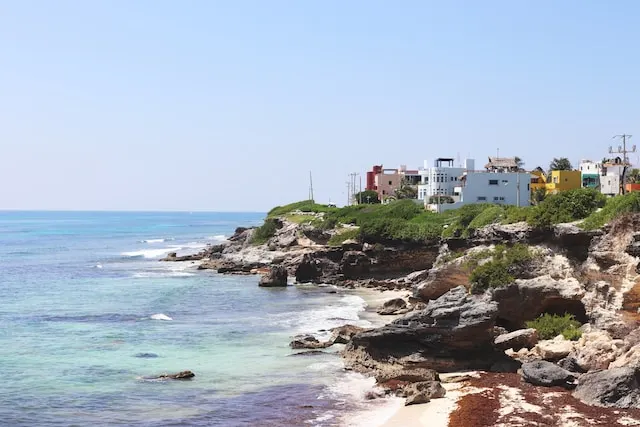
{"type": "Point", "coordinates": [228, 105]}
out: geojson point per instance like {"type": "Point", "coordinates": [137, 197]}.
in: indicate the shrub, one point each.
{"type": "Point", "coordinates": [265, 231]}
{"type": "Point", "coordinates": [490, 215]}
{"type": "Point", "coordinates": [302, 206]}
{"type": "Point", "coordinates": [613, 208]}
{"type": "Point", "coordinates": [340, 238]}
{"type": "Point", "coordinates": [490, 275]}
{"type": "Point", "coordinates": [550, 326]}
{"type": "Point", "coordinates": [459, 219]}
{"type": "Point", "coordinates": [567, 206]}
{"type": "Point", "coordinates": [515, 214]}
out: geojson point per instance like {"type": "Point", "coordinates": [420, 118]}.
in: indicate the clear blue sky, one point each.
{"type": "Point", "coordinates": [211, 105]}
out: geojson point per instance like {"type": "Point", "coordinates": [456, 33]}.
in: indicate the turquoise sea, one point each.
{"type": "Point", "coordinates": [79, 295]}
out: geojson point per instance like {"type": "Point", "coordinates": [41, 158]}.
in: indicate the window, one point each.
{"type": "Point", "coordinates": [502, 199]}
{"type": "Point", "coordinates": [566, 179]}
{"type": "Point", "coordinates": [528, 187]}
{"type": "Point", "coordinates": [481, 198]}
{"type": "Point", "coordinates": [495, 199]}
{"type": "Point", "coordinates": [493, 182]}
{"type": "Point", "coordinates": [504, 181]}
{"type": "Point", "coordinates": [555, 179]}
{"type": "Point", "coordinates": [390, 183]}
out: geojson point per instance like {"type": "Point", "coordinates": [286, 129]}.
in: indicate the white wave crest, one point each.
{"type": "Point", "coordinates": [148, 253]}
{"type": "Point", "coordinates": [154, 240]}
{"type": "Point", "coordinates": [161, 274]}
{"type": "Point", "coordinates": [98, 265]}
{"type": "Point", "coordinates": [160, 316]}
{"type": "Point", "coordinates": [218, 238]}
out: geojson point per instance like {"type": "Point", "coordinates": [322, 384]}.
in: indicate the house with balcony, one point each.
{"type": "Point", "coordinates": [502, 182]}
{"type": "Point", "coordinates": [590, 174]}
{"type": "Point", "coordinates": [558, 181]}
{"type": "Point", "coordinates": [441, 179]}
{"type": "Point", "coordinates": [612, 176]}
{"type": "Point", "coordinates": [386, 181]}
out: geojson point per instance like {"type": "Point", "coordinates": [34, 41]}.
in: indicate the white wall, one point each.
{"type": "Point", "coordinates": [500, 188]}
{"type": "Point", "coordinates": [441, 181]}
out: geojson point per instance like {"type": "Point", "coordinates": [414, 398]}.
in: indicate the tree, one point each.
{"type": "Point", "coordinates": [367, 196]}
{"type": "Point", "coordinates": [406, 191]}
{"type": "Point", "coordinates": [560, 164]}
{"type": "Point", "coordinates": [633, 177]}
{"type": "Point", "coordinates": [519, 162]}
{"type": "Point", "coordinates": [538, 195]}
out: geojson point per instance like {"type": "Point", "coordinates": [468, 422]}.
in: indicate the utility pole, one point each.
{"type": "Point", "coordinates": [352, 184]}
{"type": "Point", "coordinates": [625, 159]}
{"type": "Point", "coordinates": [360, 190]}
{"type": "Point", "coordinates": [310, 187]}
{"type": "Point", "coordinates": [348, 193]}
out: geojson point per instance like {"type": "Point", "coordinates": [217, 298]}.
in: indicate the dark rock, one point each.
{"type": "Point", "coordinates": [146, 355]}
{"type": "Point", "coordinates": [408, 374]}
{"type": "Point", "coordinates": [453, 333]}
{"type": "Point", "coordinates": [616, 387]}
{"type": "Point", "coordinates": [343, 334]}
{"type": "Point", "coordinates": [506, 365]}
{"type": "Point", "coordinates": [307, 342]}
{"type": "Point", "coordinates": [571, 364]}
{"type": "Point", "coordinates": [393, 306]}
{"type": "Point", "coordinates": [276, 276]}
{"type": "Point", "coordinates": [547, 374]}
{"type": "Point", "coordinates": [184, 375]}
{"type": "Point", "coordinates": [309, 353]}
{"type": "Point", "coordinates": [173, 256]}
{"type": "Point", "coordinates": [516, 340]}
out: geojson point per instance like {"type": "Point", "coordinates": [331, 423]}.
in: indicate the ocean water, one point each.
{"type": "Point", "coordinates": [87, 312]}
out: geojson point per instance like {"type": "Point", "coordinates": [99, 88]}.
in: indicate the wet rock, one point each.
{"type": "Point", "coordinates": [516, 340]}
{"type": "Point", "coordinates": [146, 355]}
{"type": "Point", "coordinates": [547, 374]}
{"type": "Point", "coordinates": [343, 334]}
{"type": "Point", "coordinates": [183, 375]}
{"type": "Point", "coordinates": [307, 342]}
{"type": "Point", "coordinates": [276, 276]}
{"type": "Point", "coordinates": [309, 353]}
{"type": "Point", "coordinates": [432, 389]}
{"type": "Point", "coordinates": [393, 306]}
{"type": "Point", "coordinates": [408, 374]}
{"type": "Point", "coordinates": [616, 387]}
{"type": "Point", "coordinates": [173, 257]}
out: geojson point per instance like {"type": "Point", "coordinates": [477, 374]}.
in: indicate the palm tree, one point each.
{"type": "Point", "coordinates": [406, 191]}
{"type": "Point", "coordinates": [519, 162]}
{"type": "Point", "coordinates": [560, 164]}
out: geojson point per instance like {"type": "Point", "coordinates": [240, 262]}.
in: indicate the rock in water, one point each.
{"type": "Point", "coordinates": [547, 374]}
{"type": "Point", "coordinates": [516, 340]}
{"type": "Point", "coordinates": [616, 387]}
{"type": "Point", "coordinates": [307, 342]}
{"type": "Point", "coordinates": [276, 276]}
{"type": "Point", "coordinates": [393, 306]}
{"type": "Point", "coordinates": [183, 375]}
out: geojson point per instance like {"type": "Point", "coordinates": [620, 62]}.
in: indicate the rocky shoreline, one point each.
{"type": "Point", "coordinates": [443, 327]}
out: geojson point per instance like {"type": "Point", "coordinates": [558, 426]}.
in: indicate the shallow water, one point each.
{"type": "Point", "coordinates": [82, 302]}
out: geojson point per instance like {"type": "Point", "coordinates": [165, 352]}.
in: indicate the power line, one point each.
{"type": "Point", "coordinates": [623, 148]}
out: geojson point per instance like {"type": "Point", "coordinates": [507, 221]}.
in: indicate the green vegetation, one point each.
{"type": "Point", "coordinates": [550, 326]}
{"type": "Point", "coordinates": [505, 265]}
{"type": "Point", "coordinates": [265, 231]}
{"type": "Point", "coordinates": [613, 208]}
{"type": "Point", "coordinates": [303, 206]}
{"type": "Point", "coordinates": [341, 237]}
{"type": "Point", "coordinates": [560, 164]}
{"type": "Point", "coordinates": [369, 197]}
{"type": "Point", "coordinates": [299, 219]}
{"type": "Point", "coordinates": [567, 206]}
{"type": "Point", "coordinates": [460, 219]}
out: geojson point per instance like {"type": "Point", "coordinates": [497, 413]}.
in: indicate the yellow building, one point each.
{"type": "Point", "coordinates": [538, 180]}
{"type": "Point", "coordinates": [563, 180]}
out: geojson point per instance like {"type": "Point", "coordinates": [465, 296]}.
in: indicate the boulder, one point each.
{"type": "Point", "coordinates": [440, 280]}
{"type": "Point", "coordinates": [571, 364]}
{"type": "Point", "coordinates": [417, 399]}
{"type": "Point", "coordinates": [393, 306]}
{"type": "Point", "coordinates": [616, 387]}
{"type": "Point", "coordinates": [453, 333]}
{"type": "Point", "coordinates": [409, 375]}
{"type": "Point", "coordinates": [595, 350]}
{"type": "Point", "coordinates": [432, 389]}
{"type": "Point", "coordinates": [307, 342]}
{"type": "Point", "coordinates": [276, 276]}
{"type": "Point", "coordinates": [547, 374]}
{"type": "Point", "coordinates": [516, 340]}
{"type": "Point", "coordinates": [554, 350]}
{"type": "Point", "coordinates": [343, 334]}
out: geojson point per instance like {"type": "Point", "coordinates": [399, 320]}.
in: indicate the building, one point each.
{"type": "Point", "coordinates": [538, 180]}
{"type": "Point", "coordinates": [386, 181]}
{"type": "Point", "coordinates": [441, 179]}
{"type": "Point", "coordinates": [612, 176]}
{"type": "Point", "coordinates": [502, 164]}
{"type": "Point", "coordinates": [558, 181]}
{"type": "Point", "coordinates": [499, 184]}
{"type": "Point", "coordinates": [590, 174]}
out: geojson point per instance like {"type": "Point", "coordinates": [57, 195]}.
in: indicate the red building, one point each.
{"type": "Point", "coordinates": [371, 177]}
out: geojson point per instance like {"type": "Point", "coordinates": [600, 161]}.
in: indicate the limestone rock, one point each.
{"type": "Point", "coordinates": [516, 340]}
{"type": "Point", "coordinates": [596, 350]}
{"type": "Point", "coordinates": [343, 334]}
{"type": "Point", "coordinates": [276, 276]}
{"type": "Point", "coordinates": [555, 349]}
{"type": "Point", "coordinates": [547, 374]}
{"type": "Point", "coordinates": [453, 333]}
{"type": "Point", "coordinates": [432, 389]}
{"type": "Point", "coordinates": [616, 387]}
{"type": "Point", "coordinates": [393, 306]}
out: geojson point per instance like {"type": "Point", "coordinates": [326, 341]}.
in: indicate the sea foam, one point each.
{"type": "Point", "coordinates": [160, 316]}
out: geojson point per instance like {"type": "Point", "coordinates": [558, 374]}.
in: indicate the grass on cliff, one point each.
{"type": "Point", "coordinates": [342, 236]}
{"type": "Point", "coordinates": [503, 267]}
{"type": "Point", "coordinates": [567, 206]}
{"type": "Point", "coordinates": [613, 208]}
{"type": "Point", "coordinates": [302, 206]}
{"type": "Point", "coordinates": [265, 231]}
{"type": "Point", "coordinates": [550, 326]}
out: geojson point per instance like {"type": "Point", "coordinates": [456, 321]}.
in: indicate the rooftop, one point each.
{"type": "Point", "coordinates": [501, 162]}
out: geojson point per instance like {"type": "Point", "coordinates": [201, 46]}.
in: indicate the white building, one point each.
{"type": "Point", "coordinates": [466, 186]}
{"type": "Point", "coordinates": [612, 177]}
{"type": "Point", "coordinates": [442, 179]}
